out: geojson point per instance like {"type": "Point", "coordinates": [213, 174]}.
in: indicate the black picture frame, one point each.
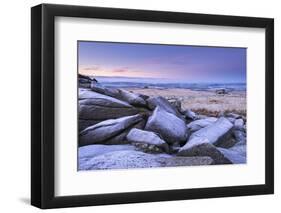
{"type": "Point", "coordinates": [43, 117]}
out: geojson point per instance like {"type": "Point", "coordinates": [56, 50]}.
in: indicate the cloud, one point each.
{"type": "Point", "coordinates": [95, 67]}
{"type": "Point", "coordinates": [121, 70]}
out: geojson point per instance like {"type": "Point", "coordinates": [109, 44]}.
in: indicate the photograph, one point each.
{"type": "Point", "coordinates": [160, 105]}
{"type": "Point", "coordinates": [139, 105]}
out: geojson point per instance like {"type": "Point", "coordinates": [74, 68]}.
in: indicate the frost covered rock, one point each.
{"type": "Point", "coordinates": [175, 102]}
{"type": "Point", "coordinates": [232, 120]}
{"type": "Point", "coordinates": [121, 160]}
{"type": "Point", "coordinates": [188, 161]}
{"type": "Point", "coordinates": [199, 124]}
{"type": "Point", "coordinates": [201, 143]}
{"type": "Point", "coordinates": [239, 148]}
{"type": "Point", "coordinates": [199, 116]}
{"type": "Point", "coordinates": [84, 123]}
{"type": "Point", "coordinates": [236, 154]}
{"type": "Point", "coordinates": [239, 123]}
{"type": "Point", "coordinates": [171, 128]}
{"type": "Point", "coordinates": [162, 103]}
{"type": "Point", "coordinates": [95, 106]}
{"type": "Point", "coordinates": [233, 115]}
{"type": "Point", "coordinates": [239, 132]}
{"type": "Point", "coordinates": [85, 81]}
{"type": "Point", "coordinates": [86, 153]}
{"type": "Point", "coordinates": [129, 97]}
{"type": "Point", "coordinates": [240, 136]}
{"type": "Point", "coordinates": [218, 133]}
{"type": "Point", "coordinates": [99, 149]}
{"type": "Point", "coordinates": [147, 138]}
{"type": "Point", "coordinates": [136, 159]}
{"type": "Point", "coordinates": [111, 131]}
{"type": "Point", "coordinates": [112, 92]}
{"type": "Point", "coordinates": [121, 138]}
{"type": "Point", "coordinates": [202, 147]}
{"type": "Point", "coordinates": [190, 115]}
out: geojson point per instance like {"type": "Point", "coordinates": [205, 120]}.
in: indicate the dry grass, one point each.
{"type": "Point", "coordinates": [203, 102]}
{"type": "Point", "coordinates": [207, 112]}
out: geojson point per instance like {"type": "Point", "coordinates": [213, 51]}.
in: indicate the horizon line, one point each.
{"type": "Point", "coordinates": [167, 80]}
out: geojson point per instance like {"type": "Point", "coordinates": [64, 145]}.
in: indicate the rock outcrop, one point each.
{"type": "Point", "coordinates": [85, 81]}
{"type": "Point", "coordinates": [121, 129]}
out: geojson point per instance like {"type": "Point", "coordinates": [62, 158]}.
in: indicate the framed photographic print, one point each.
{"type": "Point", "coordinates": [139, 106]}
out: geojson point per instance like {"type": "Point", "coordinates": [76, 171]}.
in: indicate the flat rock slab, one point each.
{"type": "Point", "coordinates": [233, 115]}
{"type": "Point", "coordinates": [199, 124]}
{"type": "Point", "coordinates": [99, 149]}
{"type": "Point", "coordinates": [136, 159]}
{"type": "Point", "coordinates": [202, 147]}
{"type": "Point", "coordinates": [95, 106]}
{"type": "Point", "coordinates": [83, 124]}
{"type": "Point", "coordinates": [218, 133]}
{"type": "Point", "coordinates": [162, 103]}
{"type": "Point", "coordinates": [105, 131]}
{"type": "Point", "coordinates": [188, 161]}
{"type": "Point", "coordinates": [131, 98]}
{"type": "Point", "coordinates": [121, 94]}
{"type": "Point", "coordinates": [171, 128]}
{"type": "Point", "coordinates": [138, 136]}
{"type": "Point", "coordinates": [237, 154]}
{"type": "Point", "coordinates": [105, 91]}
{"type": "Point", "coordinates": [240, 149]}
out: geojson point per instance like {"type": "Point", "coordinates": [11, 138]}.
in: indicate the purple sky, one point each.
{"type": "Point", "coordinates": [191, 64]}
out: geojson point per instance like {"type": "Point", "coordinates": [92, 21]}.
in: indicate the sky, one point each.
{"type": "Point", "coordinates": [169, 63]}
